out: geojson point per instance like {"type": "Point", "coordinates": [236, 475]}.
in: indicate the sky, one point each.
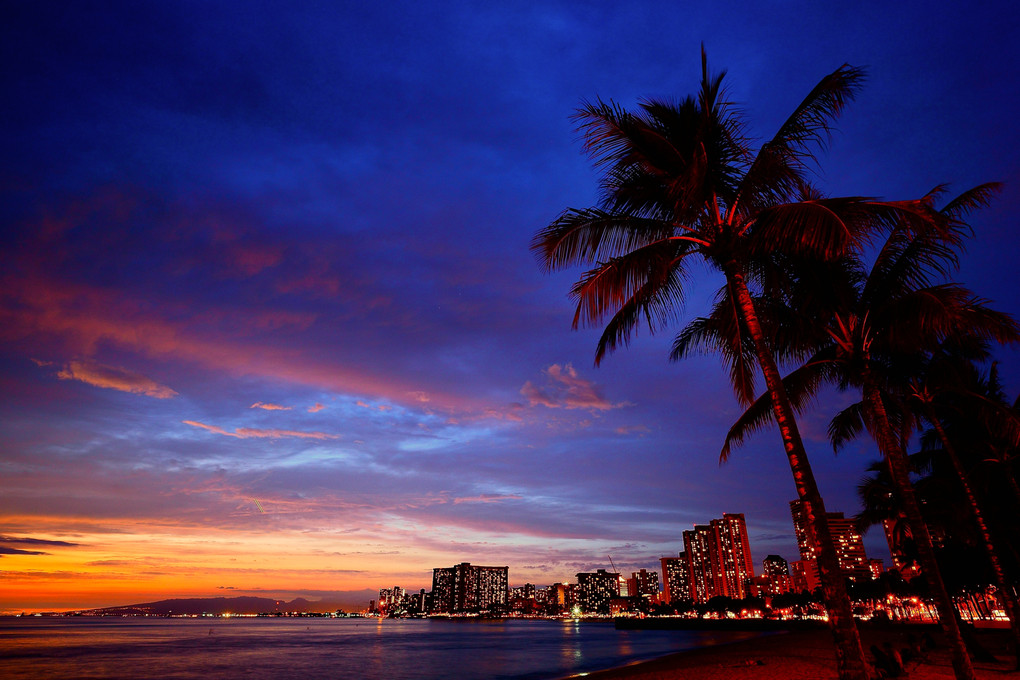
{"type": "Point", "coordinates": [269, 321]}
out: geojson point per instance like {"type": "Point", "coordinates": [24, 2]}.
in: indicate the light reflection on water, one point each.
{"type": "Point", "coordinates": [186, 649]}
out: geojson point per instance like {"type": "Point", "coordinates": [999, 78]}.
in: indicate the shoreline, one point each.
{"type": "Point", "coordinates": [806, 655]}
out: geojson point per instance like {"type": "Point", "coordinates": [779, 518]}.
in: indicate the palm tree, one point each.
{"type": "Point", "coordinates": [948, 383]}
{"type": "Point", "coordinates": [880, 322]}
{"type": "Point", "coordinates": [682, 183]}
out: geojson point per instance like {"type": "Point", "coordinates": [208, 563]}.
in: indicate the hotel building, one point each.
{"type": "Point", "coordinates": [469, 589]}
{"type": "Point", "coordinates": [596, 589]}
{"type": "Point", "coordinates": [853, 562]}
{"type": "Point", "coordinates": [718, 559]}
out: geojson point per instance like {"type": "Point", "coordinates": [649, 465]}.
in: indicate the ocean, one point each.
{"type": "Point", "coordinates": [368, 649]}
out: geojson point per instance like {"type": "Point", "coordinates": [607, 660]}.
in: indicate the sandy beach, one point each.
{"type": "Point", "coordinates": [807, 655]}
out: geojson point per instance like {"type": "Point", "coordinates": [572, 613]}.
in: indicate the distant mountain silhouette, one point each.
{"type": "Point", "coordinates": [348, 601]}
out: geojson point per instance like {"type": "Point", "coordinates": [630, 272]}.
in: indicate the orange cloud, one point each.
{"type": "Point", "coordinates": [269, 407]}
{"type": "Point", "coordinates": [257, 433]}
{"type": "Point", "coordinates": [315, 409]}
{"type": "Point", "coordinates": [382, 407]}
{"type": "Point", "coordinates": [113, 378]}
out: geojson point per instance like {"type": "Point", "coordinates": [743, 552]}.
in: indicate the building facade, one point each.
{"type": "Point", "coordinates": [596, 589]}
{"type": "Point", "coordinates": [675, 584]}
{"type": "Point", "coordinates": [853, 562]}
{"type": "Point", "coordinates": [718, 557]}
{"type": "Point", "coordinates": [466, 589]}
{"type": "Point", "coordinates": [643, 584]}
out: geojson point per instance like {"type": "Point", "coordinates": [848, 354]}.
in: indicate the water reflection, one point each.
{"type": "Point", "coordinates": [258, 649]}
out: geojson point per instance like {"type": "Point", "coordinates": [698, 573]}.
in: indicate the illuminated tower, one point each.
{"type": "Point", "coordinates": [853, 562]}
{"type": "Point", "coordinates": [733, 552]}
{"type": "Point", "coordinates": [643, 584]}
{"type": "Point", "coordinates": [699, 563]}
{"type": "Point", "coordinates": [675, 584]}
{"type": "Point", "coordinates": [775, 565]}
{"type": "Point", "coordinates": [467, 588]}
{"type": "Point", "coordinates": [718, 558]}
{"type": "Point", "coordinates": [596, 589]}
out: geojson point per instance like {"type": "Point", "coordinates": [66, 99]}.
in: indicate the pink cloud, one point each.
{"type": "Point", "coordinates": [113, 378]}
{"type": "Point", "coordinates": [79, 319]}
{"type": "Point", "coordinates": [631, 429]}
{"type": "Point", "coordinates": [564, 388]}
{"type": "Point", "coordinates": [269, 407]}
{"type": "Point", "coordinates": [250, 260]}
{"type": "Point", "coordinates": [257, 433]}
{"type": "Point", "coordinates": [315, 409]}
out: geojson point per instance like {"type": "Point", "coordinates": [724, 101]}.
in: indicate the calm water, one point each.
{"type": "Point", "coordinates": [365, 649]}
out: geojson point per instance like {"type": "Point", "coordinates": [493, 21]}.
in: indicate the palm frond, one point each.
{"type": "Point", "coordinates": [778, 168]}
{"type": "Point", "coordinates": [801, 386]}
{"type": "Point", "coordinates": [722, 332]}
{"type": "Point", "coordinates": [846, 426]}
{"type": "Point", "coordinates": [593, 235]}
{"type": "Point", "coordinates": [649, 276]}
{"type": "Point", "coordinates": [926, 317]}
{"type": "Point", "coordinates": [970, 200]}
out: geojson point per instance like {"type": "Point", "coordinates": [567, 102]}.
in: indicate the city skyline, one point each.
{"type": "Point", "coordinates": [269, 320]}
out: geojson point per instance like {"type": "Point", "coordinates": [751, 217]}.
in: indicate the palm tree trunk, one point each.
{"type": "Point", "coordinates": [899, 471]}
{"type": "Point", "coordinates": [1009, 602]}
{"type": "Point", "coordinates": [1012, 480]}
{"type": "Point", "coordinates": [850, 660]}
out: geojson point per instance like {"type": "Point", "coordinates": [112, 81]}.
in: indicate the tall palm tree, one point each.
{"type": "Point", "coordinates": [682, 183]}
{"type": "Point", "coordinates": [880, 321]}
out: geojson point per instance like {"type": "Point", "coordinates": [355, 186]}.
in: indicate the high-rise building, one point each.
{"type": "Point", "coordinates": [697, 545]}
{"type": "Point", "coordinates": [775, 580]}
{"type": "Point", "coordinates": [775, 565]}
{"type": "Point", "coordinates": [466, 589]}
{"type": "Point", "coordinates": [391, 599]}
{"type": "Point", "coordinates": [596, 589]}
{"type": "Point", "coordinates": [561, 597]}
{"type": "Point", "coordinates": [643, 584]}
{"type": "Point", "coordinates": [718, 558]}
{"type": "Point", "coordinates": [734, 551]}
{"type": "Point", "coordinates": [675, 584]}
{"type": "Point", "coordinates": [853, 562]}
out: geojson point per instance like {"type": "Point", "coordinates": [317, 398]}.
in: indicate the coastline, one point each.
{"type": "Point", "coordinates": [805, 655]}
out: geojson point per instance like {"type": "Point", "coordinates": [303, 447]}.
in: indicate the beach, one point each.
{"type": "Point", "coordinates": [809, 655]}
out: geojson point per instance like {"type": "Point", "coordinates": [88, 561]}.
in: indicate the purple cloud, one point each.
{"type": "Point", "coordinates": [564, 388]}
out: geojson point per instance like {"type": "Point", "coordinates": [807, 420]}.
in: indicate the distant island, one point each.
{"type": "Point", "coordinates": [219, 606]}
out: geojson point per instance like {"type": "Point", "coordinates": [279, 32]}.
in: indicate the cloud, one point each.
{"type": "Point", "coordinates": [382, 407]}
{"type": "Point", "coordinates": [115, 379]}
{"type": "Point", "coordinates": [631, 429]}
{"type": "Point", "coordinates": [36, 541]}
{"type": "Point", "coordinates": [315, 409]}
{"type": "Point", "coordinates": [7, 549]}
{"type": "Point", "coordinates": [4, 550]}
{"type": "Point", "coordinates": [486, 498]}
{"type": "Point", "coordinates": [256, 433]}
{"type": "Point", "coordinates": [564, 388]}
{"type": "Point", "coordinates": [269, 407]}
